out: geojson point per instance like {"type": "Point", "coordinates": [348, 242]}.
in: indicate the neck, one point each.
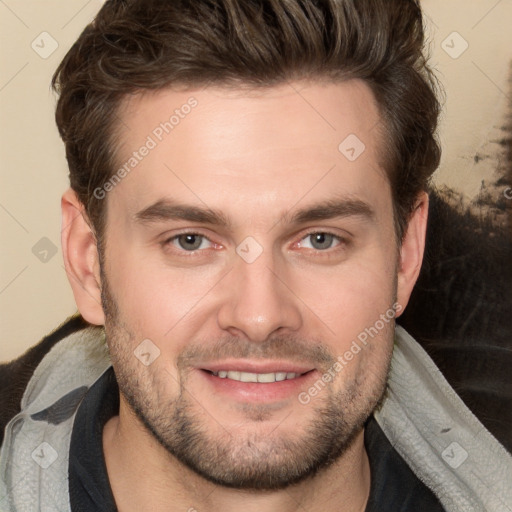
{"type": "Point", "coordinates": [144, 476]}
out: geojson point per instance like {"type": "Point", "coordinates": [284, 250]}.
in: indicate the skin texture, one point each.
{"type": "Point", "coordinates": [256, 157]}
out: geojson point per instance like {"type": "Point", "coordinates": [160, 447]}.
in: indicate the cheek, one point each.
{"type": "Point", "coordinates": [350, 298]}
{"type": "Point", "coordinates": [153, 297]}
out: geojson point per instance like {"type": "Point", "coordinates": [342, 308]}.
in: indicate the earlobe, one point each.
{"type": "Point", "coordinates": [81, 258]}
{"type": "Point", "coordinates": [411, 251]}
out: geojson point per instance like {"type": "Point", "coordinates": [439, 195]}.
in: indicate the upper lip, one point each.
{"type": "Point", "coordinates": [257, 366]}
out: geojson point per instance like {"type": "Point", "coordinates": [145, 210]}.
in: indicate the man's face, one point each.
{"type": "Point", "coordinates": [300, 259]}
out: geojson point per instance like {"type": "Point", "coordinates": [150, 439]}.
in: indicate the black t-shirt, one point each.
{"type": "Point", "coordinates": [394, 487]}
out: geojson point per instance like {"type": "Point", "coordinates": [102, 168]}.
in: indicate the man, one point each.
{"type": "Point", "coordinates": [246, 219]}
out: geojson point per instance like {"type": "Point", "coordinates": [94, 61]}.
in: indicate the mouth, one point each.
{"type": "Point", "coordinates": [264, 378]}
{"type": "Point", "coordinates": [256, 381]}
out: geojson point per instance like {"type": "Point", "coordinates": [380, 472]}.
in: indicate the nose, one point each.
{"type": "Point", "coordinates": [257, 301]}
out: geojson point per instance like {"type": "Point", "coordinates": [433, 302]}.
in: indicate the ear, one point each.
{"type": "Point", "coordinates": [411, 251]}
{"type": "Point", "coordinates": [81, 258]}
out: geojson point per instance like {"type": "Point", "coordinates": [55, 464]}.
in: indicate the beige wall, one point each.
{"type": "Point", "coordinates": [34, 292]}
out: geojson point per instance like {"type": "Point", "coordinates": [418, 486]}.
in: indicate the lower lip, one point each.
{"type": "Point", "coordinates": [259, 391]}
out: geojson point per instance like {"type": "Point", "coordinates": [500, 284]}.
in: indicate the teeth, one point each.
{"type": "Point", "coordinates": [266, 377]}
{"type": "Point", "coordinates": [246, 377]}
{"type": "Point", "coordinates": [256, 377]}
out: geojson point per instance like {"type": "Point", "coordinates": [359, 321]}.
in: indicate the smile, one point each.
{"type": "Point", "coordinates": [256, 377]}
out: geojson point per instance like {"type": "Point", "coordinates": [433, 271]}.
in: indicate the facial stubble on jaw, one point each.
{"type": "Point", "coordinates": [221, 455]}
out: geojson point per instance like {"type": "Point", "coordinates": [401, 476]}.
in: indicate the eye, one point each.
{"type": "Point", "coordinates": [189, 241]}
{"type": "Point", "coordinates": [320, 241]}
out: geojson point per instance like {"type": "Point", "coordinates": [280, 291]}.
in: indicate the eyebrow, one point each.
{"type": "Point", "coordinates": [166, 209]}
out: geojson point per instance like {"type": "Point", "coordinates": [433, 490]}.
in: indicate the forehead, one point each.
{"type": "Point", "coordinates": [295, 109]}
{"type": "Point", "coordinates": [258, 146]}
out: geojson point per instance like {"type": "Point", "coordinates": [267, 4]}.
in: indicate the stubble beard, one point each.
{"type": "Point", "coordinates": [254, 459]}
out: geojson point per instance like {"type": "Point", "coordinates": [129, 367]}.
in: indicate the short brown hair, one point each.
{"type": "Point", "coordinates": [134, 45]}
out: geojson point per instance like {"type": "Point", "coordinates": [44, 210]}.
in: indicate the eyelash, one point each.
{"type": "Point", "coordinates": [188, 254]}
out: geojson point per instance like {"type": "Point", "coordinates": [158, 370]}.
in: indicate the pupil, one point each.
{"type": "Point", "coordinates": [322, 240]}
{"type": "Point", "coordinates": [190, 242]}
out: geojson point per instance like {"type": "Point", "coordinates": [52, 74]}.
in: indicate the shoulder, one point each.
{"type": "Point", "coordinates": [15, 375]}
{"type": "Point", "coordinates": [461, 307]}
{"type": "Point", "coordinates": [394, 486]}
